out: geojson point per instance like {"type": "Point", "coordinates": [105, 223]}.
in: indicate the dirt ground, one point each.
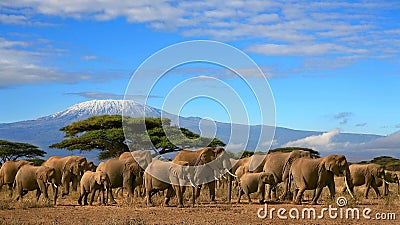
{"type": "Point", "coordinates": [67, 211]}
{"type": "Point", "coordinates": [200, 214]}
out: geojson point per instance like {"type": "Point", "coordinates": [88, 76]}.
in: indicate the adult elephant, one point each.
{"type": "Point", "coordinates": [210, 164]}
{"type": "Point", "coordinates": [310, 174]}
{"type": "Point", "coordinates": [83, 166]}
{"type": "Point", "coordinates": [67, 169]}
{"type": "Point", "coordinates": [8, 172]}
{"type": "Point", "coordinates": [122, 173]}
{"type": "Point", "coordinates": [278, 164]}
{"type": "Point", "coordinates": [390, 177]}
{"type": "Point", "coordinates": [368, 175]}
{"type": "Point", "coordinates": [30, 178]}
{"type": "Point", "coordinates": [170, 176]}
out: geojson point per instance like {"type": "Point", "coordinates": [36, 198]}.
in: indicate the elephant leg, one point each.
{"type": "Point", "coordinates": [85, 202]}
{"type": "Point", "coordinates": [299, 196]}
{"type": "Point", "coordinates": [80, 198]}
{"type": "Point", "coordinates": [317, 194]}
{"type": "Point", "coordinates": [211, 188]}
{"type": "Point", "coordinates": [148, 197]}
{"type": "Point", "coordinates": [295, 191]}
{"type": "Point", "coordinates": [367, 190]}
{"type": "Point", "coordinates": [10, 190]}
{"type": "Point", "coordinates": [38, 193]}
{"type": "Point", "coordinates": [331, 187]}
{"type": "Point", "coordinates": [240, 193]}
{"type": "Point", "coordinates": [92, 194]}
{"type": "Point", "coordinates": [273, 192]}
{"type": "Point", "coordinates": [112, 200]}
{"type": "Point", "coordinates": [248, 196]}
{"type": "Point", "coordinates": [179, 195]}
{"type": "Point", "coordinates": [75, 182]}
{"type": "Point", "coordinates": [55, 195]}
{"type": "Point", "coordinates": [170, 193]}
{"type": "Point", "coordinates": [378, 194]}
{"type": "Point", "coordinates": [269, 192]}
{"type": "Point", "coordinates": [198, 189]}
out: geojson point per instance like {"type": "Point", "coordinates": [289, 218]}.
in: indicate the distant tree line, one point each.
{"type": "Point", "coordinates": [16, 150]}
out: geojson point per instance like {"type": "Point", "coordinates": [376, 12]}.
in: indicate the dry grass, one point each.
{"type": "Point", "coordinates": [135, 211]}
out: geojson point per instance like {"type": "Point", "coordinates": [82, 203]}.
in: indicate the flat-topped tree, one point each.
{"type": "Point", "coordinates": [314, 153]}
{"type": "Point", "coordinates": [16, 150]}
{"type": "Point", "coordinates": [105, 133]}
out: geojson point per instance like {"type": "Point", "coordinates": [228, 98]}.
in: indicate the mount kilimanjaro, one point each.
{"type": "Point", "coordinates": [44, 131]}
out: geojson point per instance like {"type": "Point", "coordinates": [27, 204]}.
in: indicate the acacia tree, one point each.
{"type": "Point", "coordinates": [105, 133]}
{"type": "Point", "coordinates": [314, 153]}
{"type": "Point", "coordinates": [16, 150]}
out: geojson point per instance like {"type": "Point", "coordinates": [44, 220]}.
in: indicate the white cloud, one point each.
{"type": "Point", "coordinates": [21, 63]}
{"type": "Point", "coordinates": [89, 57]}
{"type": "Point", "coordinates": [285, 28]}
{"type": "Point", "coordinates": [319, 142]}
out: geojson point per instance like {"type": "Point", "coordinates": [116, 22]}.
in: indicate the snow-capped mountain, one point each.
{"type": "Point", "coordinates": [105, 107]}
{"type": "Point", "coordinates": [44, 131]}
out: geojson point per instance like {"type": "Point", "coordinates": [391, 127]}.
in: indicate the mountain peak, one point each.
{"type": "Point", "coordinates": [87, 109]}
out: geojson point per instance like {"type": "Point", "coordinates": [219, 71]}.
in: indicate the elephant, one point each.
{"type": "Point", "coordinates": [240, 171]}
{"type": "Point", "coordinates": [170, 176]}
{"type": "Point", "coordinates": [310, 174]}
{"type": "Point", "coordinates": [90, 183]}
{"type": "Point", "coordinates": [210, 164]}
{"type": "Point", "coordinates": [279, 163]}
{"type": "Point", "coordinates": [367, 174]}
{"type": "Point", "coordinates": [37, 178]}
{"type": "Point", "coordinates": [142, 157]}
{"type": "Point", "coordinates": [255, 182]}
{"type": "Point", "coordinates": [8, 172]}
{"type": "Point", "coordinates": [390, 177]}
{"type": "Point", "coordinates": [121, 174]}
{"type": "Point", "coordinates": [67, 169]}
{"type": "Point", "coordinates": [83, 165]}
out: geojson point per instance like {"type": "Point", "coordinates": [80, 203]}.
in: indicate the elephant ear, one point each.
{"type": "Point", "coordinates": [41, 174]}
{"type": "Point", "coordinates": [174, 171]}
{"type": "Point", "coordinates": [69, 165]}
{"type": "Point", "coordinates": [97, 177]}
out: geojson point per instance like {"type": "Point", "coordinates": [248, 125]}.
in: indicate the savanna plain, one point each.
{"type": "Point", "coordinates": [135, 211]}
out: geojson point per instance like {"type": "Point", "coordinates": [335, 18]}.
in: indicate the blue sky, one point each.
{"type": "Point", "coordinates": [329, 64]}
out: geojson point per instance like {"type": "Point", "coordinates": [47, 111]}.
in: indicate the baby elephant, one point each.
{"type": "Point", "coordinates": [90, 183]}
{"type": "Point", "coordinates": [255, 182]}
{"type": "Point", "coordinates": [30, 178]}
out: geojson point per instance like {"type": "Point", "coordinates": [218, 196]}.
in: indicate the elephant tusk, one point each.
{"type": "Point", "coordinates": [191, 182]}
{"type": "Point", "coordinates": [229, 172]}
{"type": "Point", "coordinates": [347, 187]}
{"type": "Point", "coordinates": [55, 185]}
{"type": "Point", "coordinates": [216, 178]}
{"type": "Point", "coordinates": [223, 176]}
{"type": "Point", "coordinates": [386, 182]}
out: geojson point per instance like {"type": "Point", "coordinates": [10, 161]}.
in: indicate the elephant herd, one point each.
{"type": "Point", "coordinates": [294, 171]}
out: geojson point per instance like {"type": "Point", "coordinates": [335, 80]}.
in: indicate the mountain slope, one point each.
{"type": "Point", "coordinates": [44, 131]}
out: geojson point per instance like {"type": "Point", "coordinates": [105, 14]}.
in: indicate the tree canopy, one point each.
{"type": "Point", "coordinates": [389, 162]}
{"type": "Point", "coordinates": [314, 153]}
{"type": "Point", "coordinates": [105, 133]}
{"type": "Point", "coordinates": [16, 150]}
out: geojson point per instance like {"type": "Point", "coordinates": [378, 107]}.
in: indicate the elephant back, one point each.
{"type": "Point", "coordinates": [26, 176]}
